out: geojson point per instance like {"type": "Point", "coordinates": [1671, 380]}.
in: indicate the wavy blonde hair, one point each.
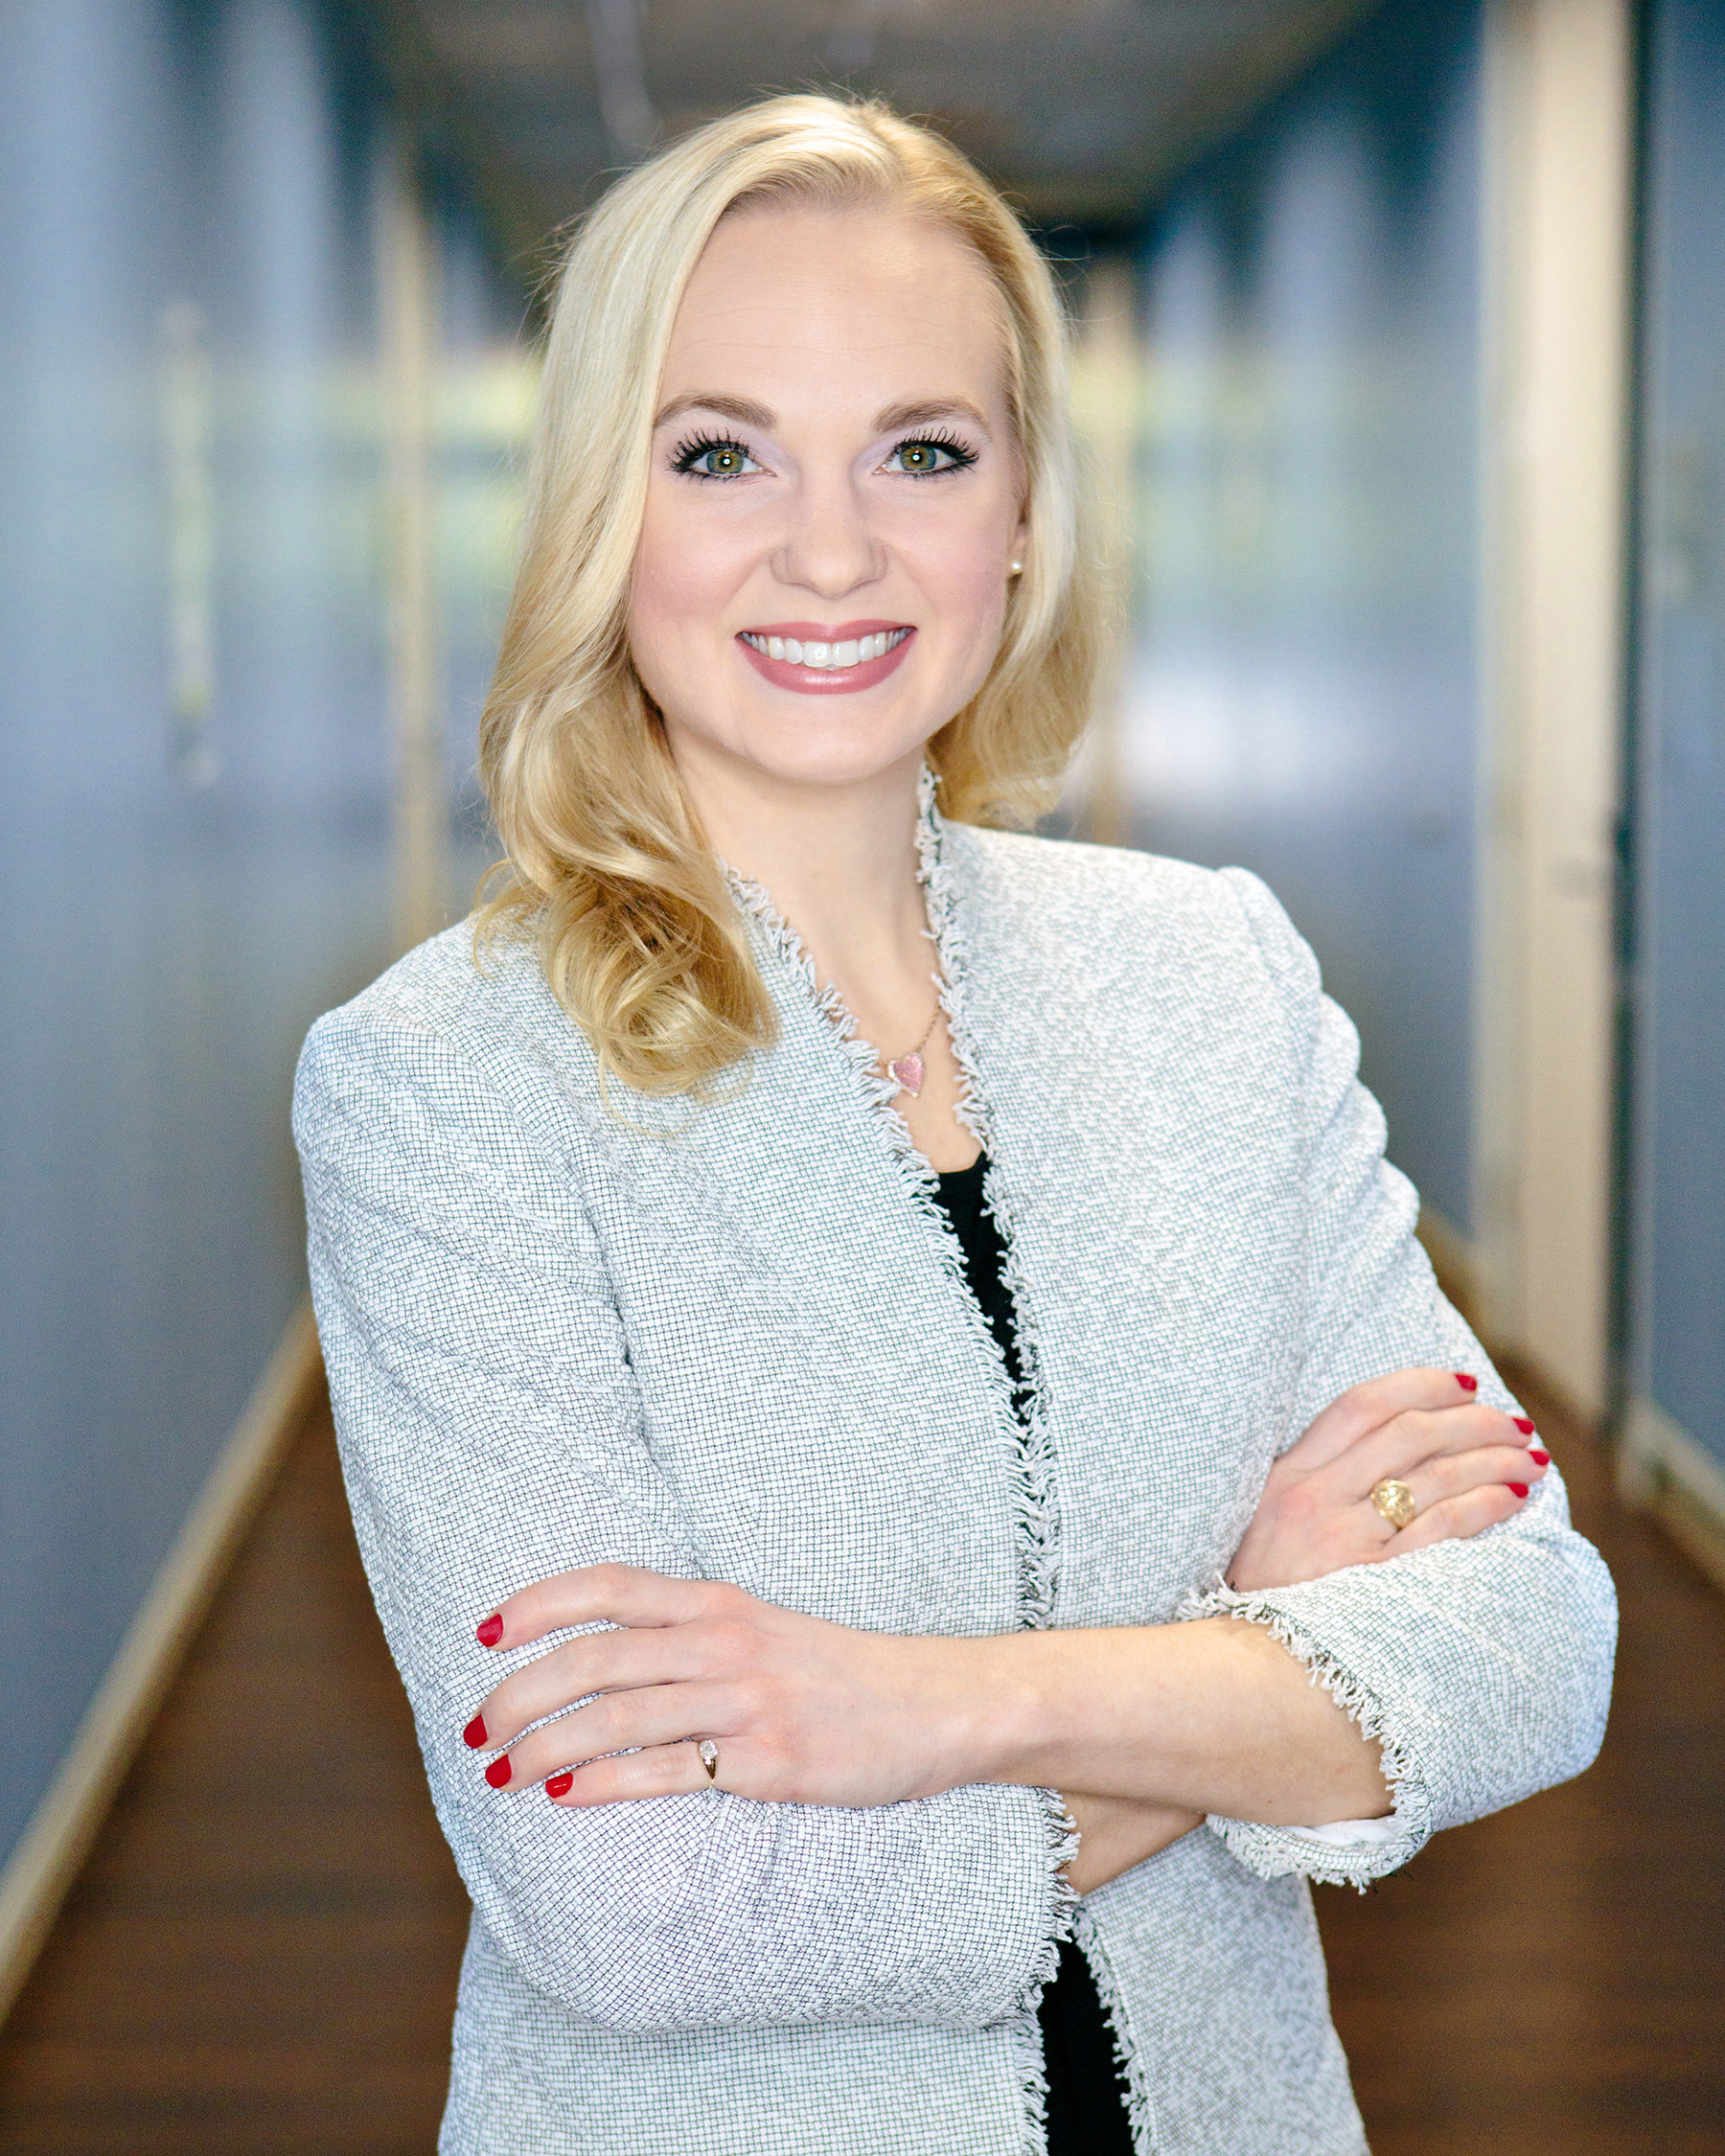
{"type": "Point", "coordinates": [608, 865]}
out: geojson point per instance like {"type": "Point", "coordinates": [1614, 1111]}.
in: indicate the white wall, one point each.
{"type": "Point", "coordinates": [1560, 78]}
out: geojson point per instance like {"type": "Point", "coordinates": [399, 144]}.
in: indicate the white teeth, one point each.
{"type": "Point", "coordinates": [855, 651]}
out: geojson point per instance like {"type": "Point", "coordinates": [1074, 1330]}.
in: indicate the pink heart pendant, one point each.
{"type": "Point", "coordinates": [907, 1073]}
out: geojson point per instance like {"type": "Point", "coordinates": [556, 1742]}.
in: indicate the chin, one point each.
{"type": "Point", "coordinates": [835, 755]}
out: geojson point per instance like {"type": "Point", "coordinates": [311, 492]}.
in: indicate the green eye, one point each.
{"type": "Point", "coordinates": [708, 458]}
{"type": "Point", "coordinates": [927, 455]}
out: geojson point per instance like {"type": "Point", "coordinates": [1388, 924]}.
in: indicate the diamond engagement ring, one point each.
{"type": "Point", "coordinates": [709, 1757]}
{"type": "Point", "coordinates": [1394, 1501]}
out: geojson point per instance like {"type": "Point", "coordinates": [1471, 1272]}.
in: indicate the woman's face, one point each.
{"type": "Point", "coordinates": [835, 498]}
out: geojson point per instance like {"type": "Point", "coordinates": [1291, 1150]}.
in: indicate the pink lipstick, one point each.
{"type": "Point", "coordinates": [820, 659]}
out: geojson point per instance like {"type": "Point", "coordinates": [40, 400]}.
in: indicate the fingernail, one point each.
{"type": "Point", "coordinates": [497, 1773]}
{"type": "Point", "coordinates": [473, 1735]}
{"type": "Point", "coordinates": [1466, 1383]}
{"type": "Point", "coordinates": [1524, 1424]}
{"type": "Point", "coordinates": [491, 1631]}
{"type": "Point", "coordinates": [1539, 1459]}
{"type": "Point", "coordinates": [1520, 1489]}
{"type": "Point", "coordinates": [559, 1785]}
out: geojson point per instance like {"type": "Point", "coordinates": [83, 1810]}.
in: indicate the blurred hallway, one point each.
{"type": "Point", "coordinates": [1399, 341]}
{"type": "Point", "coordinates": [261, 1958]}
{"type": "Point", "coordinates": [1550, 1980]}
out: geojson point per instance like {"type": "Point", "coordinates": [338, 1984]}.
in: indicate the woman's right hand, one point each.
{"type": "Point", "coordinates": [1468, 1467]}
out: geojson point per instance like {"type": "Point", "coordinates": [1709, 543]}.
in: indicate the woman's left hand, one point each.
{"type": "Point", "coordinates": [797, 1711]}
{"type": "Point", "coordinates": [789, 1708]}
{"type": "Point", "coordinates": [1466, 1465]}
{"type": "Point", "coordinates": [1117, 1834]}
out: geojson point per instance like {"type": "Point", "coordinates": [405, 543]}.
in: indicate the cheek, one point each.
{"type": "Point", "coordinates": [665, 568]}
{"type": "Point", "coordinates": [965, 578]}
{"type": "Point", "coordinates": [982, 592]}
{"type": "Point", "coordinates": [960, 560]}
{"type": "Point", "coordinates": [686, 569]}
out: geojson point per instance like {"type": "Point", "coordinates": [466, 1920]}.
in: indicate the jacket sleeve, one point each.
{"type": "Point", "coordinates": [1484, 1666]}
{"type": "Point", "coordinates": [491, 1436]}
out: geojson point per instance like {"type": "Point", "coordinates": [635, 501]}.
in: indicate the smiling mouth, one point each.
{"type": "Point", "coordinates": [827, 657]}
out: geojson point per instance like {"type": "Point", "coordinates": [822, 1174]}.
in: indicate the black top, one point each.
{"type": "Point", "coordinates": [1087, 2110]}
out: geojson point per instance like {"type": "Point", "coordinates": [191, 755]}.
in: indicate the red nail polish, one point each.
{"type": "Point", "coordinates": [1539, 1459]}
{"type": "Point", "coordinates": [1466, 1383]}
{"type": "Point", "coordinates": [1520, 1489]}
{"type": "Point", "coordinates": [560, 1785]}
{"type": "Point", "coordinates": [497, 1773]}
{"type": "Point", "coordinates": [1524, 1424]}
{"type": "Point", "coordinates": [473, 1735]}
{"type": "Point", "coordinates": [489, 1632]}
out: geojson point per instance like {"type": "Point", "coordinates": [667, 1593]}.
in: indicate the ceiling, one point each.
{"type": "Point", "coordinates": [1079, 107]}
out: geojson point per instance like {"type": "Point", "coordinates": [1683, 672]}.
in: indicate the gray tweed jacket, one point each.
{"type": "Point", "coordinates": [735, 1341]}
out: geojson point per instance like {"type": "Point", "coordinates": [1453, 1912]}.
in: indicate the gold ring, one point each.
{"type": "Point", "coordinates": [709, 1757]}
{"type": "Point", "coordinates": [1394, 1501]}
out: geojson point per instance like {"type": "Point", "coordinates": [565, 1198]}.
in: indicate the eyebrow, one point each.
{"type": "Point", "coordinates": [739, 408]}
{"type": "Point", "coordinates": [925, 412]}
{"type": "Point", "coordinates": [921, 412]}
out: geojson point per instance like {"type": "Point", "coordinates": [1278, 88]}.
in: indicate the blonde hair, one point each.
{"type": "Point", "coordinates": [608, 865]}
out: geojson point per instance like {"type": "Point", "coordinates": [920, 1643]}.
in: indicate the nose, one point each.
{"type": "Point", "coordinates": [828, 548]}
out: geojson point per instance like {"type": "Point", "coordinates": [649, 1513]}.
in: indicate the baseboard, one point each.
{"type": "Point", "coordinates": [1672, 1474]}
{"type": "Point", "coordinates": [53, 1847]}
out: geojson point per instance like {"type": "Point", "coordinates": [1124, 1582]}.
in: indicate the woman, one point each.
{"type": "Point", "coordinates": [837, 1363]}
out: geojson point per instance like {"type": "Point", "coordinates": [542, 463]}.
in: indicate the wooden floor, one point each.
{"type": "Point", "coordinates": [260, 1960]}
{"type": "Point", "coordinates": [261, 1957]}
{"type": "Point", "coordinates": [1551, 1982]}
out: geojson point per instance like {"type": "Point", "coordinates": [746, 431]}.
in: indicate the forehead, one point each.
{"type": "Point", "coordinates": [867, 299]}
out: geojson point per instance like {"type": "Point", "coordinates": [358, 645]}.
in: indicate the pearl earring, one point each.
{"type": "Point", "coordinates": [1015, 568]}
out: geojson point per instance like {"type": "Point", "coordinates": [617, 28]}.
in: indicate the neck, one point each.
{"type": "Point", "coordinates": [840, 861]}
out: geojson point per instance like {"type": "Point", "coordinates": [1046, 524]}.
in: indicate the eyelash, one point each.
{"type": "Point", "coordinates": [689, 452]}
{"type": "Point", "coordinates": [961, 452]}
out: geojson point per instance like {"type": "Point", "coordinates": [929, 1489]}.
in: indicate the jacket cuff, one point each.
{"type": "Point", "coordinates": [1324, 1854]}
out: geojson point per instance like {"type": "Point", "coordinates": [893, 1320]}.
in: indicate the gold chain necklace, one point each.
{"type": "Point", "coordinates": [907, 1071]}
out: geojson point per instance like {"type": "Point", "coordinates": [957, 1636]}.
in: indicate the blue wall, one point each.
{"type": "Point", "coordinates": [1679, 1263]}
{"type": "Point", "coordinates": [1305, 689]}
{"type": "Point", "coordinates": [191, 456]}
{"type": "Point", "coordinates": [486, 403]}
